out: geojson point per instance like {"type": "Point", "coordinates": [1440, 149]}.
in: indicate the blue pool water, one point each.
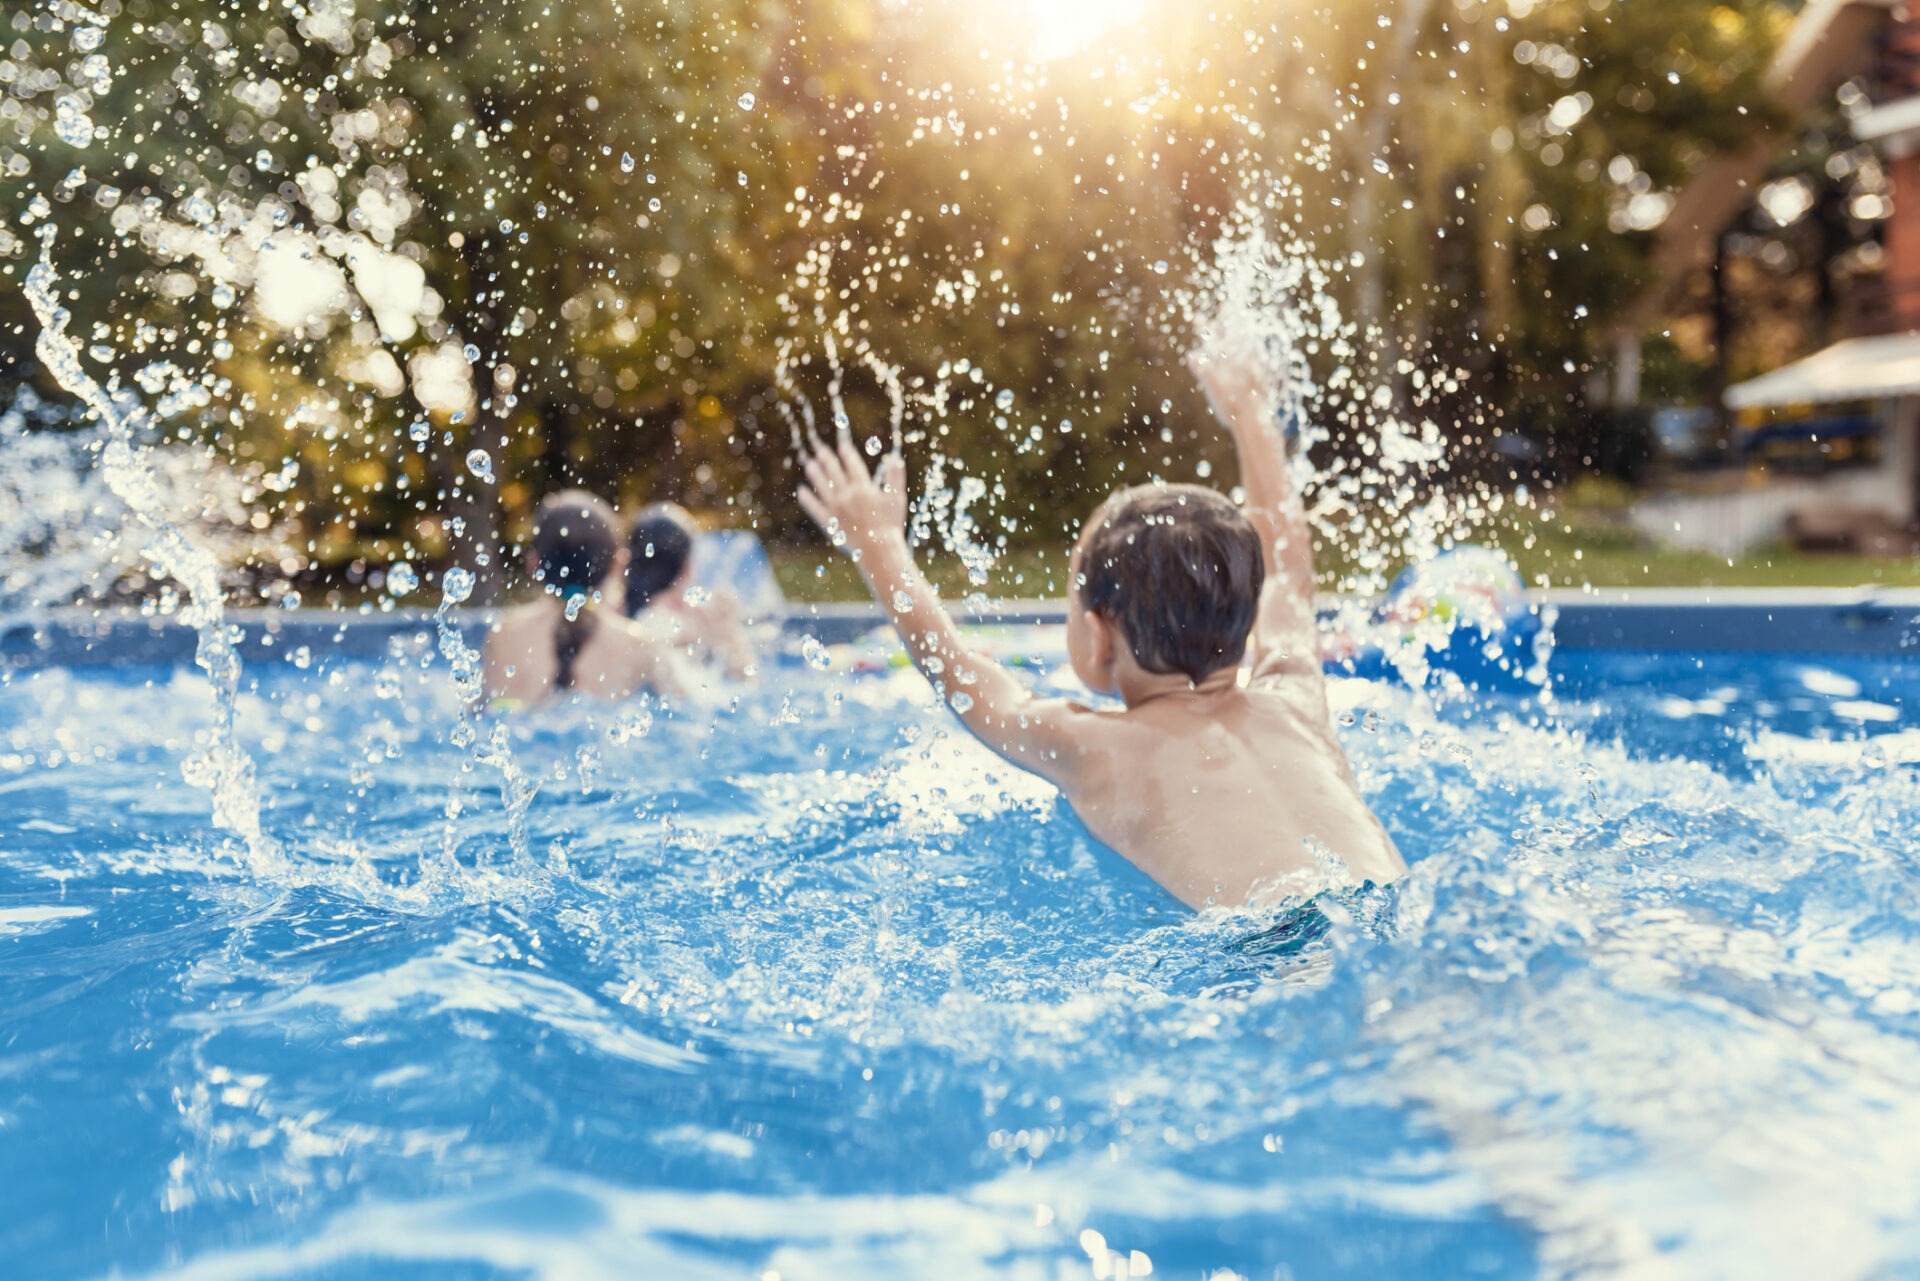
{"type": "Point", "coordinates": [806, 983]}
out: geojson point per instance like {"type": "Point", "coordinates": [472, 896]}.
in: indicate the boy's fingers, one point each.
{"type": "Point", "coordinates": [894, 473]}
{"type": "Point", "coordinates": [823, 469]}
{"type": "Point", "coordinates": [837, 466]}
{"type": "Point", "coordinates": [812, 506]}
{"type": "Point", "coordinates": [850, 457]}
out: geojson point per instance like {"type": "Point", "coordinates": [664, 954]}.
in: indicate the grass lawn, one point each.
{"type": "Point", "coordinates": [1585, 544]}
{"type": "Point", "coordinates": [1577, 551]}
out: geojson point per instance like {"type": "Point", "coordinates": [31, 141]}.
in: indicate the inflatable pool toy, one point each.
{"type": "Point", "coordinates": [1466, 612]}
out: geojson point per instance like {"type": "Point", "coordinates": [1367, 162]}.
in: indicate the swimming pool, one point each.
{"type": "Point", "coordinates": [805, 983]}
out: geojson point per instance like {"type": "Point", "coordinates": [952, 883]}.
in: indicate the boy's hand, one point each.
{"type": "Point", "coordinates": [1238, 386]}
{"type": "Point", "coordinates": [856, 509]}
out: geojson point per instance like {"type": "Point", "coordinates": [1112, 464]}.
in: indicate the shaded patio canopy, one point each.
{"type": "Point", "coordinates": [1857, 369]}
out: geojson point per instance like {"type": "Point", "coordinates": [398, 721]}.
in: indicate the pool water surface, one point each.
{"type": "Point", "coordinates": [800, 981]}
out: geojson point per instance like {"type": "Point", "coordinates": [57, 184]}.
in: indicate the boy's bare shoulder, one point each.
{"type": "Point", "coordinates": [1082, 731]}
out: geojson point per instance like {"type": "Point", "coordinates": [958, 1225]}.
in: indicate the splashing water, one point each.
{"type": "Point", "coordinates": [223, 768]}
{"type": "Point", "coordinates": [1261, 291]}
{"type": "Point", "coordinates": [1271, 295]}
{"type": "Point", "coordinates": [62, 539]}
{"type": "Point", "coordinates": [1370, 463]}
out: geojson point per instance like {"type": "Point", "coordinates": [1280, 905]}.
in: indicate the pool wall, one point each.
{"type": "Point", "coordinates": [1813, 621]}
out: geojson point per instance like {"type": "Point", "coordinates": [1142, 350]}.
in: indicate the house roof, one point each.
{"type": "Point", "coordinates": [1857, 369]}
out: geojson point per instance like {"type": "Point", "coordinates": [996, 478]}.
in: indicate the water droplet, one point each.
{"type": "Point", "coordinates": [745, 102]}
{"type": "Point", "coordinates": [815, 654]}
{"type": "Point", "coordinates": [87, 39]}
{"type": "Point", "coordinates": [903, 602]}
{"type": "Point", "coordinates": [632, 725]}
{"type": "Point", "coordinates": [71, 122]}
{"type": "Point", "coordinates": [1004, 400]}
{"type": "Point", "coordinates": [401, 578]}
{"type": "Point", "coordinates": [456, 585]}
{"type": "Point", "coordinates": [962, 701]}
{"type": "Point", "coordinates": [626, 162]}
{"type": "Point", "coordinates": [1203, 469]}
{"type": "Point", "coordinates": [1380, 166]}
{"type": "Point", "coordinates": [480, 463]}
{"type": "Point", "coordinates": [419, 432]}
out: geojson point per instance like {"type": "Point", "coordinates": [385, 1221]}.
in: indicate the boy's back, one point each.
{"type": "Point", "coordinates": [1229, 796]}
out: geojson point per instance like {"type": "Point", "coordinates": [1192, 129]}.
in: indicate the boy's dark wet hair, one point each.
{"type": "Point", "coordinates": [1178, 569]}
{"type": "Point", "coordinates": [658, 547]}
{"type": "Point", "coordinates": [576, 537]}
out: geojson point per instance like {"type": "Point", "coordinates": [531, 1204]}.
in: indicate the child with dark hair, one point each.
{"type": "Point", "coordinates": [1227, 791]}
{"type": "Point", "coordinates": [659, 586]}
{"type": "Point", "coordinates": [563, 641]}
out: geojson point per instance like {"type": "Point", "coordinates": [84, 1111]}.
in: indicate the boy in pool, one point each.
{"type": "Point", "coordinates": [1226, 793]}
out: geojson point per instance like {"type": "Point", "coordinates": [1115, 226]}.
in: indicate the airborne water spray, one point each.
{"type": "Point", "coordinates": [224, 767]}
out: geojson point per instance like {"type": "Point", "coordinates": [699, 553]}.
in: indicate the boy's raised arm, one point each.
{"type": "Point", "coordinates": [1286, 637]}
{"type": "Point", "coordinates": [866, 515]}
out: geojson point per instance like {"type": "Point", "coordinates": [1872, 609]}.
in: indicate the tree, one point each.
{"type": "Point", "coordinates": [589, 244]}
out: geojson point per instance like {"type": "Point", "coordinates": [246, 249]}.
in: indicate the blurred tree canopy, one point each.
{"type": "Point", "coordinates": [420, 263]}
